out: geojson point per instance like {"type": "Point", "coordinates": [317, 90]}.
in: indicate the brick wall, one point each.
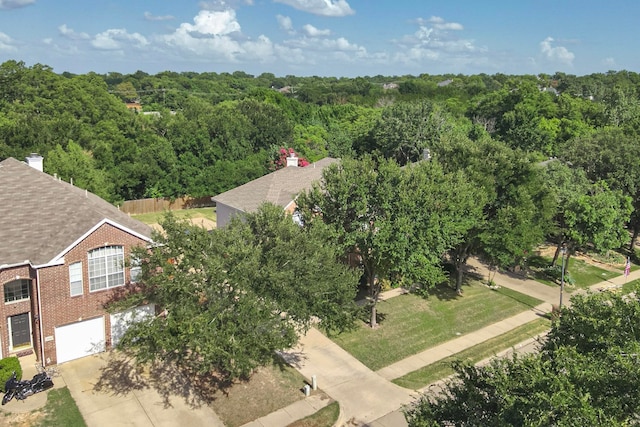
{"type": "Point", "coordinates": [58, 306]}
{"type": "Point", "coordinates": [13, 308]}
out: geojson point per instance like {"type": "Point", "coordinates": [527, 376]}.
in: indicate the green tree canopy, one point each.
{"type": "Point", "coordinates": [516, 206]}
{"type": "Point", "coordinates": [234, 296]}
{"type": "Point", "coordinates": [585, 374]}
{"type": "Point", "coordinates": [405, 130]}
{"type": "Point", "coordinates": [397, 221]}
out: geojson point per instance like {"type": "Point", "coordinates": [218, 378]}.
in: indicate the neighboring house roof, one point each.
{"type": "Point", "coordinates": [41, 216]}
{"type": "Point", "coordinates": [279, 187]}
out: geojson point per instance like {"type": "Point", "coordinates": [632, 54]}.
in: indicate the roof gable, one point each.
{"type": "Point", "coordinates": [279, 187]}
{"type": "Point", "coordinates": [41, 217]}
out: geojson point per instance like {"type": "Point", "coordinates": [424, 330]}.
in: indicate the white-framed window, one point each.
{"type": "Point", "coordinates": [106, 268]}
{"type": "Point", "coordinates": [75, 279]}
{"type": "Point", "coordinates": [17, 290]}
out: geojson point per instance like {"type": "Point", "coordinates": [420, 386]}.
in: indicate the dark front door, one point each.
{"type": "Point", "coordinates": [20, 330]}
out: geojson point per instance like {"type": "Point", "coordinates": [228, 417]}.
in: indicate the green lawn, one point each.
{"type": "Point", "coordinates": [412, 324]}
{"type": "Point", "coordinates": [156, 217]}
{"type": "Point", "coordinates": [632, 286]}
{"type": "Point", "coordinates": [583, 274]}
{"type": "Point", "coordinates": [61, 410]}
{"type": "Point", "coordinates": [586, 275]}
{"type": "Point", "coordinates": [325, 417]}
{"type": "Point", "coordinates": [429, 374]}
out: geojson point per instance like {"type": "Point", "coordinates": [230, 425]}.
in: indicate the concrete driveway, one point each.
{"type": "Point", "coordinates": [109, 392]}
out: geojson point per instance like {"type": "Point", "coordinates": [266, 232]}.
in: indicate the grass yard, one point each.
{"type": "Point", "coordinates": [583, 273]}
{"type": "Point", "coordinates": [412, 324]}
{"type": "Point", "coordinates": [325, 417]}
{"type": "Point", "coordinates": [156, 217]}
{"type": "Point", "coordinates": [632, 286]}
{"type": "Point", "coordinates": [429, 374]}
{"type": "Point", "coordinates": [269, 389]}
{"type": "Point", "coordinates": [59, 411]}
{"type": "Point", "coordinates": [586, 275]}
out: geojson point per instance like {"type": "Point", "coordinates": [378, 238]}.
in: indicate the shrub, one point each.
{"type": "Point", "coordinates": [554, 273]}
{"type": "Point", "coordinates": [7, 366]}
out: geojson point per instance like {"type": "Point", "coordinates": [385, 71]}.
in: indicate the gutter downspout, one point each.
{"type": "Point", "coordinates": [41, 320]}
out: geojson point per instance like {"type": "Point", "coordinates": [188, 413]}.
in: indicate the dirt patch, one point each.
{"type": "Point", "coordinates": [21, 420]}
{"type": "Point", "coordinates": [205, 223]}
{"type": "Point", "coordinates": [269, 389]}
{"type": "Point", "coordinates": [549, 251]}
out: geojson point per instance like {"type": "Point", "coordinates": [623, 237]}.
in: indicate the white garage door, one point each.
{"type": "Point", "coordinates": [80, 339]}
{"type": "Point", "coordinates": [121, 321]}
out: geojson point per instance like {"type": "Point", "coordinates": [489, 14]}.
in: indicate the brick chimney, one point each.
{"type": "Point", "coordinates": [35, 161]}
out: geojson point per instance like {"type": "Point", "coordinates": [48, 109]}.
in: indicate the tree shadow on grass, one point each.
{"type": "Point", "coordinates": [122, 375]}
{"type": "Point", "coordinates": [443, 292]}
{"type": "Point", "coordinates": [447, 291]}
{"type": "Point", "coordinates": [286, 358]}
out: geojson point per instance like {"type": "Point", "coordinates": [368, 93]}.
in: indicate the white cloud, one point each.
{"type": "Point", "coordinates": [208, 35]}
{"type": "Point", "coordinates": [556, 54]}
{"type": "Point", "coordinates": [285, 23]}
{"type": "Point", "coordinates": [151, 17]}
{"type": "Point", "coordinates": [6, 43]}
{"type": "Point", "coordinates": [610, 62]}
{"type": "Point", "coordinates": [440, 24]}
{"type": "Point", "coordinates": [71, 34]}
{"type": "Point", "coordinates": [118, 38]}
{"type": "Point", "coordinates": [210, 23]}
{"type": "Point", "coordinates": [327, 45]}
{"type": "Point", "coordinates": [15, 4]}
{"type": "Point", "coordinates": [223, 4]}
{"type": "Point", "coordinates": [436, 38]}
{"type": "Point", "coordinates": [437, 41]}
{"type": "Point", "coordinates": [321, 7]}
{"type": "Point", "coordinates": [216, 35]}
{"type": "Point", "coordinates": [261, 49]}
{"type": "Point", "coordinates": [312, 31]}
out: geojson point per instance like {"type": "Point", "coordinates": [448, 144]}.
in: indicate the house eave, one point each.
{"type": "Point", "coordinates": [59, 258]}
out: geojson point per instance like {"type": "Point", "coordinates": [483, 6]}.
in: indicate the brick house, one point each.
{"type": "Point", "coordinates": [280, 188]}
{"type": "Point", "coordinates": [62, 253]}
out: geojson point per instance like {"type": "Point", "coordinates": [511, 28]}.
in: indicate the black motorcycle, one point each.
{"type": "Point", "coordinates": [23, 389]}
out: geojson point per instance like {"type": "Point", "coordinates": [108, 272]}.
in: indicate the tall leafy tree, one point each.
{"type": "Point", "coordinates": [78, 166]}
{"type": "Point", "coordinates": [597, 220]}
{"type": "Point", "coordinates": [611, 156]}
{"type": "Point", "coordinates": [516, 206]}
{"type": "Point", "coordinates": [398, 222]}
{"type": "Point", "coordinates": [405, 130]}
{"type": "Point", "coordinates": [234, 296]}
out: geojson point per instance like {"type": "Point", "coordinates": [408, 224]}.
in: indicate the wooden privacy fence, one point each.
{"type": "Point", "coordinates": [142, 206]}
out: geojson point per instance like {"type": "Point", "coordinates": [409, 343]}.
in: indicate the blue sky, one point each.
{"type": "Point", "coordinates": [323, 37]}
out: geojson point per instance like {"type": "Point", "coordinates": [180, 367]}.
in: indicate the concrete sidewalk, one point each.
{"type": "Point", "coordinates": [550, 294]}
{"type": "Point", "coordinates": [533, 288]}
{"type": "Point", "coordinates": [364, 396]}
{"type": "Point", "coordinates": [449, 348]}
{"type": "Point", "coordinates": [296, 411]}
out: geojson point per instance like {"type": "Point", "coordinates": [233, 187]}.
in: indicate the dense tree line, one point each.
{"type": "Point", "coordinates": [209, 132]}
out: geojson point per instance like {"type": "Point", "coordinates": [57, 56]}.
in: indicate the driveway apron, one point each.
{"type": "Point", "coordinates": [142, 407]}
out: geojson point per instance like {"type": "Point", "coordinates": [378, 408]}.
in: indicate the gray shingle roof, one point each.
{"type": "Point", "coordinates": [41, 216]}
{"type": "Point", "coordinates": [279, 187]}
